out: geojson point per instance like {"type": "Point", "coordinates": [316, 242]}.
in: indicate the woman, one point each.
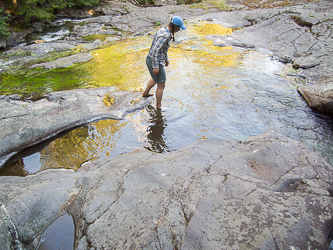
{"type": "Point", "coordinates": [158, 57]}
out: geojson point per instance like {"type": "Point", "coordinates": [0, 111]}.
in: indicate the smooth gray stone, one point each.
{"type": "Point", "coordinates": [268, 192]}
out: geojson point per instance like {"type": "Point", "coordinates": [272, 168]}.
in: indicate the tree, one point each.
{"type": "Point", "coordinates": [4, 32]}
{"type": "Point", "coordinates": [39, 10]}
{"type": "Point", "coordinates": [43, 10]}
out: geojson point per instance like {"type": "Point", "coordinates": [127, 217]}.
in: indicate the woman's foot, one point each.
{"type": "Point", "coordinates": [146, 95]}
{"type": "Point", "coordinates": [158, 107]}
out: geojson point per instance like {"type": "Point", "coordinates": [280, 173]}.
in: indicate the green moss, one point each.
{"type": "Point", "coordinates": [41, 81]}
{"type": "Point", "coordinates": [95, 36]}
{"type": "Point", "coordinates": [105, 69]}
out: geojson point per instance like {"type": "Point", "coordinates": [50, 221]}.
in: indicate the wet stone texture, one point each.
{"type": "Point", "coordinates": [28, 123]}
{"type": "Point", "coordinates": [268, 192]}
{"type": "Point", "coordinates": [300, 35]}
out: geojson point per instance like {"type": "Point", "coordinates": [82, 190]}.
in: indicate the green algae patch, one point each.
{"type": "Point", "coordinates": [121, 64]}
{"type": "Point", "coordinates": [94, 37]}
{"type": "Point", "coordinates": [42, 81]}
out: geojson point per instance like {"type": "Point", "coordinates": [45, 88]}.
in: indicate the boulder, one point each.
{"type": "Point", "coordinates": [306, 62]}
{"type": "Point", "coordinates": [44, 48]}
{"type": "Point", "coordinates": [318, 97]}
{"type": "Point", "coordinates": [268, 192]}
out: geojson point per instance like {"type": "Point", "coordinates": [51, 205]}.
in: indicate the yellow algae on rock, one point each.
{"type": "Point", "coordinates": [208, 56]}
{"type": "Point", "coordinates": [133, 102]}
{"type": "Point", "coordinates": [108, 100]}
{"type": "Point", "coordinates": [122, 65]}
{"type": "Point", "coordinates": [205, 29]}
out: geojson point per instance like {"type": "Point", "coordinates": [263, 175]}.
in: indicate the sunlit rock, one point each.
{"type": "Point", "coordinates": [319, 97]}
{"type": "Point", "coordinates": [265, 193]}
{"type": "Point", "coordinates": [110, 40]}
{"type": "Point", "coordinates": [306, 62]}
{"type": "Point", "coordinates": [39, 41]}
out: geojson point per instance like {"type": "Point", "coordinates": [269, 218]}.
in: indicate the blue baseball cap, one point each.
{"type": "Point", "coordinates": [178, 21]}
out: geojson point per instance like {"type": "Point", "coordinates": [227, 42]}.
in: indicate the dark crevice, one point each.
{"type": "Point", "coordinates": [330, 190]}
{"type": "Point", "coordinates": [328, 231]}
{"type": "Point", "coordinates": [301, 22]}
{"type": "Point", "coordinates": [175, 242]}
{"type": "Point", "coordinates": [186, 217]}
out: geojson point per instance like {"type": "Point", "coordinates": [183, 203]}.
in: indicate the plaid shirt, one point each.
{"type": "Point", "coordinates": [159, 48]}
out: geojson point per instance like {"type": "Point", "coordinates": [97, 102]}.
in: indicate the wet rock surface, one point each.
{"type": "Point", "coordinates": [28, 123]}
{"type": "Point", "coordinates": [300, 34]}
{"type": "Point", "coordinates": [268, 192]}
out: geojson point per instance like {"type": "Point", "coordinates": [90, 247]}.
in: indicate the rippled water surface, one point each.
{"type": "Point", "coordinates": [211, 92]}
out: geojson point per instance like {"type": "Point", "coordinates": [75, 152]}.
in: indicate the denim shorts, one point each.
{"type": "Point", "coordinates": [161, 77]}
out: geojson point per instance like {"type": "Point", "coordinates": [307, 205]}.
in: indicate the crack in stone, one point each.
{"type": "Point", "coordinates": [249, 194]}
{"type": "Point", "coordinates": [209, 167]}
{"type": "Point", "coordinates": [14, 116]}
{"type": "Point", "coordinates": [294, 41]}
{"type": "Point", "coordinates": [187, 218]}
{"type": "Point", "coordinates": [118, 197]}
{"type": "Point", "coordinates": [284, 175]}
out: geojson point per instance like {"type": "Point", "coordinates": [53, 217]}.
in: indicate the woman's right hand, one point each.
{"type": "Point", "coordinates": [156, 71]}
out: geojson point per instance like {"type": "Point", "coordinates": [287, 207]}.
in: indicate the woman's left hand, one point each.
{"type": "Point", "coordinates": [166, 63]}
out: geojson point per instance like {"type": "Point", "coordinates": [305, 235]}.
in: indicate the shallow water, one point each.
{"type": "Point", "coordinates": [211, 92]}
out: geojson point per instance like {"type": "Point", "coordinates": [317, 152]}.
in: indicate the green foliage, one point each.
{"type": "Point", "coordinates": [145, 2]}
{"type": "Point", "coordinates": [220, 4]}
{"type": "Point", "coordinates": [39, 10]}
{"type": "Point", "coordinates": [43, 10]}
{"type": "Point", "coordinates": [4, 32]}
{"type": "Point", "coordinates": [82, 3]}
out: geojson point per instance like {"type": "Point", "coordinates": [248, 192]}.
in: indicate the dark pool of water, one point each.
{"type": "Point", "coordinates": [59, 235]}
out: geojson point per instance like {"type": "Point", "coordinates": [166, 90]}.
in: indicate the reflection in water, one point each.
{"type": "Point", "coordinates": [89, 142]}
{"type": "Point", "coordinates": [211, 92]}
{"type": "Point", "coordinates": [156, 137]}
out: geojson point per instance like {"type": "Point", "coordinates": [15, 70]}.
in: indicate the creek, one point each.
{"type": "Point", "coordinates": [211, 92]}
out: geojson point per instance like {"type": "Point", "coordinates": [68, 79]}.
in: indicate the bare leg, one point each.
{"type": "Point", "coordinates": [159, 94]}
{"type": "Point", "coordinates": [150, 84]}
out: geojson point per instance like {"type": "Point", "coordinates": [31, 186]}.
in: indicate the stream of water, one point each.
{"type": "Point", "coordinates": [211, 92]}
